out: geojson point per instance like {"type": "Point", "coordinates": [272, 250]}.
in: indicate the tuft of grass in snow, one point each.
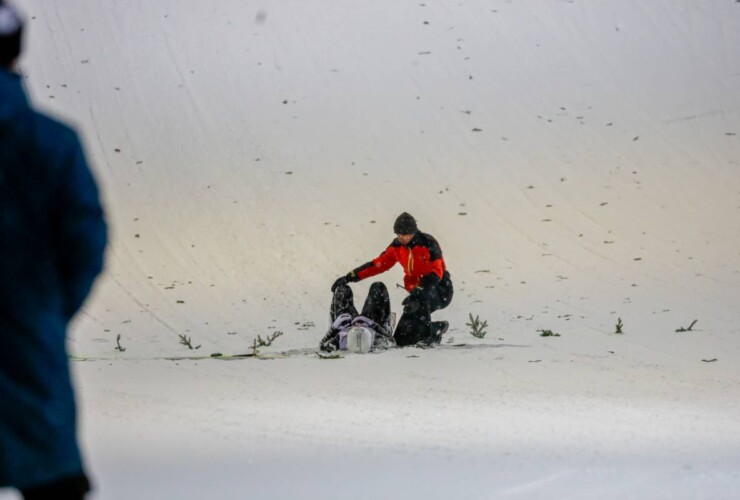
{"type": "Point", "coordinates": [260, 342]}
{"type": "Point", "coordinates": [619, 326]}
{"type": "Point", "coordinates": [689, 329]}
{"type": "Point", "coordinates": [185, 340]}
{"type": "Point", "coordinates": [119, 347]}
{"type": "Point", "coordinates": [548, 333]}
{"type": "Point", "coordinates": [477, 327]}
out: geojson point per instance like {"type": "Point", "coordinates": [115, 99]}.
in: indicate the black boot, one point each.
{"type": "Point", "coordinates": [439, 328]}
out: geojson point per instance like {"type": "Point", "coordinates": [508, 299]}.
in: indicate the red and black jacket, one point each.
{"type": "Point", "coordinates": [421, 260]}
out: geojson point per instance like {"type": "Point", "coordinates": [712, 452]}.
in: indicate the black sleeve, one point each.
{"type": "Point", "coordinates": [357, 270]}
{"type": "Point", "coordinates": [435, 252]}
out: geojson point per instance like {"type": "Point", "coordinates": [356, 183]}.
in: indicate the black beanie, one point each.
{"type": "Point", "coordinates": [11, 28]}
{"type": "Point", "coordinates": [405, 224]}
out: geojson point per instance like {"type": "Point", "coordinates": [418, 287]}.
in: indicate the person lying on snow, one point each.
{"type": "Point", "coordinates": [426, 278]}
{"type": "Point", "coordinates": [374, 319]}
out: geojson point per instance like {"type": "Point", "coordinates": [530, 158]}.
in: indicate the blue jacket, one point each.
{"type": "Point", "coordinates": [52, 240]}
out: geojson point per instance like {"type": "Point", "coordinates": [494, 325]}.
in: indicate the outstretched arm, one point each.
{"type": "Point", "coordinates": [380, 264]}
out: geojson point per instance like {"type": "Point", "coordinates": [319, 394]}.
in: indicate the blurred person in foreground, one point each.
{"type": "Point", "coordinates": [52, 240]}
{"type": "Point", "coordinates": [426, 278]}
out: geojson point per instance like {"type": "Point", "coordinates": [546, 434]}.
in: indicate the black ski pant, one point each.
{"type": "Point", "coordinates": [415, 324]}
{"type": "Point", "coordinates": [377, 305]}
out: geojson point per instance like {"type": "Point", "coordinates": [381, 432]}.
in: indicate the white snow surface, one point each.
{"type": "Point", "coordinates": [578, 161]}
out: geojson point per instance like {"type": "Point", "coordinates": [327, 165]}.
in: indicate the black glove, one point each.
{"type": "Point", "coordinates": [350, 277]}
{"type": "Point", "coordinates": [339, 282]}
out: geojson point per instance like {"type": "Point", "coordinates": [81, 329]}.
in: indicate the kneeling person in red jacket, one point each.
{"type": "Point", "coordinates": [425, 278]}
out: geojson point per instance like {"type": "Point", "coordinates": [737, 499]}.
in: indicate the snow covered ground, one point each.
{"type": "Point", "coordinates": [579, 163]}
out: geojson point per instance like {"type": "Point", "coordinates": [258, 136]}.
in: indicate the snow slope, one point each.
{"type": "Point", "coordinates": [578, 162]}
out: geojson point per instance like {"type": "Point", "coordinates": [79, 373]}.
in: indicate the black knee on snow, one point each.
{"type": "Point", "coordinates": [378, 287]}
{"type": "Point", "coordinates": [416, 303]}
{"type": "Point", "coordinates": [411, 307]}
{"type": "Point", "coordinates": [342, 302]}
{"type": "Point", "coordinates": [378, 292]}
{"type": "Point", "coordinates": [377, 305]}
{"type": "Point", "coordinates": [343, 293]}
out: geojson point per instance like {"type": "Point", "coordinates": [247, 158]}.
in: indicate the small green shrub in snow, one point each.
{"type": "Point", "coordinates": [185, 340]}
{"type": "Point", "coordinates": [260, 342]}
{"type": "Point", "coordinates": [619, 326]}
{"type": "Point", "coordinates": [689, 329]}
{"type": "Point", "coordinates": [548, 333]}
{"type": "Point", "coordinates": [119, 347]}
{"type": "Point", "coordinates": [477, 327]}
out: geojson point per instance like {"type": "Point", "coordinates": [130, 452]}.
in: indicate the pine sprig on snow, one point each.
{"type": "Point", "coordinates": [260, 342]}
{"type": "Point", "coordinates": [619, 326]}
{"type": "Point", "coordinates": [119, 347]}
{"type": "Point", "coordinates": [185, 340]}
{"type": "Point", "coordinates": [548, 333]}
{"type": "Point", "coordinates": [689, 329]}
{"type": "Point", "coordinates": [477, 327]}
